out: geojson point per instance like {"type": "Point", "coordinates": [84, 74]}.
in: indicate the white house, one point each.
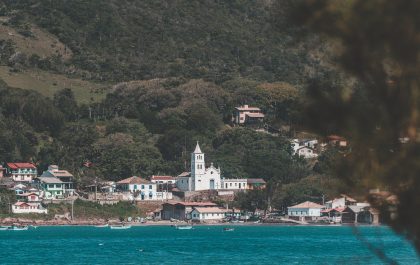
{"type": "Point", "coordinates": [246, 114]}
{"type": "Point", "coordinates": [208, 214]}
{"type": "Point", "coordinates": [305, 209]}
{"type": "Point", "coordinates": [66, 178]}
{"type": "Point", "coordinates": [28, 207]}
{"type": "Point", "coordinates": [141, 189]}
{"type": "Point", "coordinates": [163, 179]}
{"type": "Point", "coordinates": [200, 177]}
{"type": "Point", "coordinates": [340, 202]}
{"type": "Point", "coordinates": [234, 184]}
{"type": "Point", "coordinates": [306, 152]}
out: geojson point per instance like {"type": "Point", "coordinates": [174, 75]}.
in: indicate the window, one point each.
{"type": "Point", "coordinates": [236, 184]}
{"type": "Point", "coordinates": [150, 195]}
{"type": "Point", "coordinates": [142, 187]}
{"type": "Point", "coordinates": [226, 185]}
{"type": "Point", "coordinates": [182, 181]}
{"type": "Point", "coordinates": [150, 187]}
{"type": "Point", "coordinates": [230, 184]}
{"type": "Point", "coordinates": [135, 187]}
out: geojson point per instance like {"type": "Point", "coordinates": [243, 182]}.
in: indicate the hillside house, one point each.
{"type": "Point", "coordinates": [28, 207]}
{"type": "Point", "coordinates": [21, 172]}
{"type": "Point", "coordinates": [246, 115]}
{"type": "Point", "coordinates": [234, 184]}
{"type": "Point", "coordinates": [337, 141]}
{"type": "Point", "coordinates": [255, 184]}
{"type": "Point", "coordinates": [66, 178]}
{"type": "Point", "coordinates": [141, 189]}
{"type": "Point", "coordinates": [52, 187]}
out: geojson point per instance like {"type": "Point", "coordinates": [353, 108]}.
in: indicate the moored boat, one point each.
{"type": "Point", "coordinates": [18, 228]}
{"type": "Point", "coordinates": [183, 227]}
{"type": "Point", "coordinates": [100, 226]}
{"type": "Point", "coordinates": [228, 229]}
{"type": "Point", "coordinates": [2, 228]}
{"type": "Point", "coordinates": [120, 226]}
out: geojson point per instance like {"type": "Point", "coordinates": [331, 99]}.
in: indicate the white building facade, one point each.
{"type": "Point", "coordinates": [234, 184]}
{"type": "Point", "coordinates": [208, 214]}
{"type": "Point", "coordinates": [200, 178]}
{"type": "Point", "coordinates": [305, 209]}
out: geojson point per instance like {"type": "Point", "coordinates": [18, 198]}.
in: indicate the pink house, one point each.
{"type": "Point", "coordinates": [247, 115]}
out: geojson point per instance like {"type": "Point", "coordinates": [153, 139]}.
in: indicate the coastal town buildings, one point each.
{"type": "Point", "coordinates": [200, 177]}
{"type": "Point", "coordinates": [246, 115]}
{"type": "Point", "coordinates": [304, 148]}
{"type": "Point", "coordinates": [208, 214]}
{"type": "Point", "coordinates": [21, 172]}
{"type": "Point", "coordinates": [141, 189]}
{"type": "Point", "coordinates": [181, 210]}
{"type": "Point", "coordinates": [163, 179]}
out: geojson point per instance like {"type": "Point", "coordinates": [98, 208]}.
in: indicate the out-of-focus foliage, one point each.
{"type": "Point", "coordinates": [379, 44]}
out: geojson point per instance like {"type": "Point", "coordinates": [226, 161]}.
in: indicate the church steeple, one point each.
{"type": "Point", "coordinates": [197, 162]}
{"type": "Point", "coordinates": [197, 149]}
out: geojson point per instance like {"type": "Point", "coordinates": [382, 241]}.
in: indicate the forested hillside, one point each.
{"type": "Point", "coordinates": [161, 75]}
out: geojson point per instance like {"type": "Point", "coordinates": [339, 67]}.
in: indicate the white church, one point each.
{"type": "Point", "coordinates": [200, 177]}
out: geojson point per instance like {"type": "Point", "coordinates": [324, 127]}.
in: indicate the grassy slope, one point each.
{"type": "Point", "coordinates": [48, 83]}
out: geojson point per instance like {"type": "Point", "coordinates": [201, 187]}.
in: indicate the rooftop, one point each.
{"type": "Point", "coordinates": [210, 210]}
{"type": "Point", "coordinates": [307, 204]}
{"type": "Point", "coordinates": [193, 204]}
{"type": "Point", "coordinates": [134, 180]}
{"type": "Point", "coordinates": [255, 115]}
{"type": "Point", "coordinates": [255, 181]}
{"type": "Point", "coordinates": [21, 165]}
{"type": "Point", "coordinates": [184, 174]}
{"type": "Point", "coordinates": [247, 107]}
{"type": "Point", "coordinates": [162, 178]}
{"type": "Point", "coordinates": [50, 180]}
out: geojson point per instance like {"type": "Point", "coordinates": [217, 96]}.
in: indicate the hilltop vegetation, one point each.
{"type": "Point", "coordinates": [178, 69]}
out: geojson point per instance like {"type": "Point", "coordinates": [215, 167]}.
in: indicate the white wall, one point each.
{"type": "Point", "coordinates": [195, 215]}
{"type": "Point", "coordinates": [304, 212]}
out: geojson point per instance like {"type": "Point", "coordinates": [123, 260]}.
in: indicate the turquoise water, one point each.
{"type": "Point", "coordinates": [203, 245]}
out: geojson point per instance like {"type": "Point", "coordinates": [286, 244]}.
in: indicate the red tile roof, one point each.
{"type": "Point", "coordinates": [307, 204]}
{"type": "Point", "coordinates": [134, 180]}
{"type": "Point", "coordinates": [193, 204]}
{"type": "Point", "coordinates": [255, 115]}
{"type": "Point", "coordinates": [162, 178]}
{"type": "Point", "coordinates": [255, 181]}
{"type": "Point", "coordinates": [20, 165]}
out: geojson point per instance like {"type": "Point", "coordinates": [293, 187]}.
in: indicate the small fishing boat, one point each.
{"type": "Point", "coordinates": [228, 229]}
{"type": "Point", "coordinates": [2, 228]}
{"type": "Point", "coordinates": [18, 228]}
{"type": "Point", "coordinates": [120, 226]}
{"type": "Point", "coordinates": [183, 227]}
{"type": "Point", "coordinates": [101, 226]}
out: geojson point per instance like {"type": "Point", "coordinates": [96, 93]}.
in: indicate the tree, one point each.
{"type": "Point", "coordinates": [64, 101]}
{"type": "Point", "coordinates": [382, 50]}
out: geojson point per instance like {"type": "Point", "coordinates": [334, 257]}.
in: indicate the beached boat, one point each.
{"type": "Point", "coordinates": [120, 226]}
{"type": "Point", "coordinates": [183, 227]}
{"type": "Point", "coordinates": [100, 226]}
{"type": "Point", "coordinates": [228, 229]}
{"type": "Point", "coordinates": [18, 228]}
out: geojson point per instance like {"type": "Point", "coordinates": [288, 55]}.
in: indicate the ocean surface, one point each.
{"type": "Point", "coordinates": [205, 245]}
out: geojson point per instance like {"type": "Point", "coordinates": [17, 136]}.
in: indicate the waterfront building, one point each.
{"type": "Point", "coordinates": [66, 178]}
{"type": "Point", "coordinates": [305, 210]}
{"type": "Point", "coordinates": [21, 172]}
{"type": "Point", "coordinates": [162, 179]}
{"type": "Point", "coordinates": [52, 187]}
{"type": "Point", "coordinates": [181, 210]}
{"type": "Point", "coordinates": [208, 214]}
{"type": "Point", "coordinates": [343, 201]}
{"type": "Point", "coordinates": [28, 207]}
{"type": "Point", "coordinates": [200, 177]}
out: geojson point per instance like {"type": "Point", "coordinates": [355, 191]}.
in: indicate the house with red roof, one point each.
{"type": "Point", "coordinates": [21, 172]}
{"type": "Point", "coordinates": [28, 207]}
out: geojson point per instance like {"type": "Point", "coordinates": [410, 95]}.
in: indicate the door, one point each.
{"type": "Point", "coordinates": [212, 184]}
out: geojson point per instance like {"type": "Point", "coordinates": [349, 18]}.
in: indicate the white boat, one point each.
{"type": "Point", "coordinates": [18, 228]}
{"type": "Point", "coordinates": [228, 229]}
{"type": "Point", "coordinates": [100, 226]}
{"type": "Point", "coordinates": [2, 228]}
{"type": "Point", "coordinates": [120, 226]}
{"type": "Point", "coordinates": [183, 227]}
